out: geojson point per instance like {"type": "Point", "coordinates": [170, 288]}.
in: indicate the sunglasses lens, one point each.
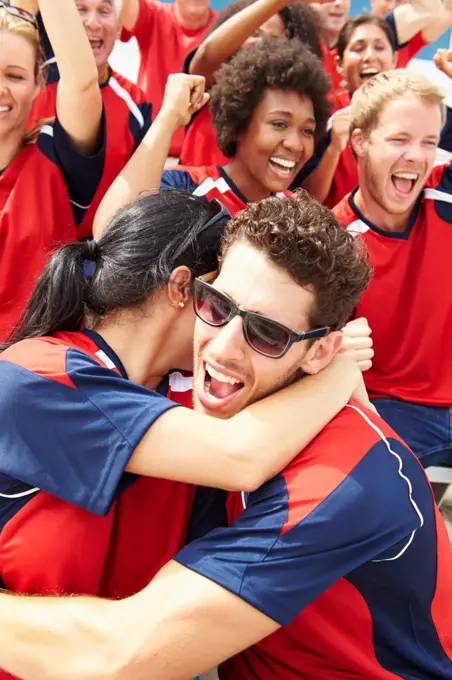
{"type": "Point", "coordinates": [210, 306]}
{"type": "Point", "coordinates": [265, 337]}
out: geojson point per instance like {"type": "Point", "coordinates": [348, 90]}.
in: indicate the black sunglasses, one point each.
{"type": "Point", "coordinates": [20, 13]}
{"type": "Point", "coordinates": [264, 335]}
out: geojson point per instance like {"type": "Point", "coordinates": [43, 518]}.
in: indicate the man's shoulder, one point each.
{"type": "Point", "coordinates": [347, 439]}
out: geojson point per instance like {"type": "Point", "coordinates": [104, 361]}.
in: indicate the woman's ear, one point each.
{"type": "Point", "coordinates": [179, 286]}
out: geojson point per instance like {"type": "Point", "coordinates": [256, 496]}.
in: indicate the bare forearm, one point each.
{"type": "Point", "coordinates": [250, 448]}
{"type": "Point", "coordinates": [59, 638]}
{"type": "Point", "coordinates": [318, 183]}
{"type": "Point", "coordinates": [414, 17]}
{"type": "Point", "coordinates": [143, 171]}
{"type": "Point", "coordinates": [230, 36]}
{"type": "Point", "coordinates": [70, 43]}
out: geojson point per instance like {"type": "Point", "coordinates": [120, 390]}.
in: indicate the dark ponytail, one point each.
{"type": "Point", "coordinates": [141, 245]}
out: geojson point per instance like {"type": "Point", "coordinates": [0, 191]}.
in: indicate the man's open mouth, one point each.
{"type": "Point", "coordinates": [216, 388]}
{"type": "Point", "coordinates": [404, 182]}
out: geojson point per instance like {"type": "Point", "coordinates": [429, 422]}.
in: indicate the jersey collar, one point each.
{"type": "Point", "coordinates": [404, 235]}
{"type": "Point", "coordinates": [105, 347]}
{"type": "Point", "coordinates": [111, 354]}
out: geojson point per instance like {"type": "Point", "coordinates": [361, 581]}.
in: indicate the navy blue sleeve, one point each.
{"type": "Point", "coordinates": [49, 66]}
{"type": "Point", "coordinates": [445, 141]}
{"type": "Point", "coordinates": [178, 179]}
{"type": "Point", "coordinates": [82, 174]}
{"type": "Point", "coordinates": [208, 512]}
{"type": "Point", "coordinates": [139, 125]}
{"type": "Point", "coordinates": [389, 18]}
{"type": "Point", "coordinates": [313, 162]}
{"type": "Point", "coordinates": [279, 564]}
{"type": "Point", "coordinates": [73, 434]}
{"type": "Point", "coordinates": [187, 61]}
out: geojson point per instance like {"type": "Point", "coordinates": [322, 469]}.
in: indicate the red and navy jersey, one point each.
{"type": "Point", "coordinates": [409, 301]}
{"type": "Point", "coordinates": [329, 61]}
{"type": "Point", "coordinates": [199, 147]}
{"type": "Point", "coordinates": [210, 182]}
{"type": "Point", "coordinates": [44, 194]}
{"type": "Point", "coordinates": [71, 520]}
{"type": "Point", "coordinates": [127, 116]}
{"type": "Point", "coordinates": [346, 550]}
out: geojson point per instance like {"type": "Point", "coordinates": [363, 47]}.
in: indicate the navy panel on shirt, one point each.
{"type": "Point", "coordinates": [73, 442]}
{"type": "Point", "coordinates": [82, 173]}
{"type": "Point", "coordinates": [178, 179]}
{"type": "Point", "coordinates": [368, 515]}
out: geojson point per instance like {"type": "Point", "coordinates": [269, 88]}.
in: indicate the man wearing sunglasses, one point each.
{"type": "Point", "coordinates": [339, 567]}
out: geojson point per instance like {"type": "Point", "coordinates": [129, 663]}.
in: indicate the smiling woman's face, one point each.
{"type": "Point", "coordinates": [18, 86]}
{"type": "Point", "coordinates": [278, 141]}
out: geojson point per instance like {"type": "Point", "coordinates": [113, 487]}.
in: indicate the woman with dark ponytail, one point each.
{"type": "Point", "coordinates": [88, 394]}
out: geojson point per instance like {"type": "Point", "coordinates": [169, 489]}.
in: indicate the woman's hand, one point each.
{"type": "Point", "coordinates": [357, 343]}
{"type": "Point", "coordinates": [184, 95]}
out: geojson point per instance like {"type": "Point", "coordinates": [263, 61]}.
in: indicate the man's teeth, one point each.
{"type": "Point", "coordinates": [220, 376]}
{"type": "Point", "coordinates": [283, 162]}
{"type": "Point", "coordinates": [406, 175]}
{"type": "Point", "coordinates": [369, 72]}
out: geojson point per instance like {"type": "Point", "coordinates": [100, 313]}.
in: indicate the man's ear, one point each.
{"type": "Point", "coordinates": [358, 142]}
{"type": "Point", "coordinates": [179, 287]}
{"type": "Point", "coordinates": [321, 353]}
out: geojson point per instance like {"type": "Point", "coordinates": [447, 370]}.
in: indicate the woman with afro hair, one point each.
{"type": "Point", "coordinates": [237, 25]}
{"type": "Point", "coordinates": [269, 105]}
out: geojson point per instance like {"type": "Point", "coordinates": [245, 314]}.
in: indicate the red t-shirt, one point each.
{"type": "Point", "coordinates": [200, 144]}
{"type": "Point", "coordinates": [329, 55]}
{"type": "Point", "coordinates": [409, 301]}
{"type": "Point", "coordinates": [163, 45]}
{"type": "Point", "coordinates": [128, 118]}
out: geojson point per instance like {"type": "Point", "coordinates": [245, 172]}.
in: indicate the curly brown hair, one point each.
{"type": "Point", "coordinates": [304, 238]}
{"type": "Point", "coordinates": [271, 63]}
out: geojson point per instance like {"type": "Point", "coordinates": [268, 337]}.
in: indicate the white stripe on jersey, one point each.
{"type": "Point", "coordinates": [402, 475]}
{"type": "Point", "coordinates": [210, 184]}
{"type": "Point", "coordinates": [179, 382]}
{"type": "Point", "coordinates": [121, 92]}
{"type": "Point", "coordinates": [357, 227]}
{"type": "Point", "coordinates": [29, 492]}
{"type": "Point", "coordinates": [437, 195]}
{"type": "Point", "coordinates": [105, 359]}
{"type": "Point", "coordinates": [50, 61]}
{"type": "Point", "coordinates": [47, 130]}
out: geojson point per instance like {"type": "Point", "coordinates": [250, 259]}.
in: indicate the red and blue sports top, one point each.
{"type": "Point", "coordinates": [44, 195]}
{"type": "Point", "coordinates": [346, 550]}
{"type": "Point", "coordinates": [408, 303]}
{"type": "Point", "coordinates": [210, 182]}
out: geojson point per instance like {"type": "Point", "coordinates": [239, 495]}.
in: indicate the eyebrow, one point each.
{"type": "Point", "coordinates": [288, 114]}
{"type": "Point", "coordinates": [21, 68]}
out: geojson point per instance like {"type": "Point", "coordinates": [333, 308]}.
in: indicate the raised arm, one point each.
{"type": "Point", "coordinates": [184, 94]}
{"type": "Point", "coordinates": [432, 17]}
{"type": "Point", "coordinates": [230, 36]}
{"type": "Point", "coordinates": [128, 13]}
{"type": "Point", "coordinates": [79, 101]}
{"type": "Point", "coordinates": [248, 449]}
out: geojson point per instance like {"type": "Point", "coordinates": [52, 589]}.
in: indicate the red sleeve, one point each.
{"type": "Point", "coordinates": [410, 49]}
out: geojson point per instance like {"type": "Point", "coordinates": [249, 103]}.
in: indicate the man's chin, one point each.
{"type": "Point", "coordinates": [223, 413]}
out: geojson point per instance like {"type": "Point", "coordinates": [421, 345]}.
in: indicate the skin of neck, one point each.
{"type": "Point", "coordinates": [328, 37]}
{"type": "Point", "coordinates": [377, 215]}
{"type": "Point", "coordinates": [10, 146]}
{"type": "Point", "coordinates": [147, 341]}
{"type": "Point", "coordinates": [190, 21]}
{"type": "Point", "coordinates": [245, 181]}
